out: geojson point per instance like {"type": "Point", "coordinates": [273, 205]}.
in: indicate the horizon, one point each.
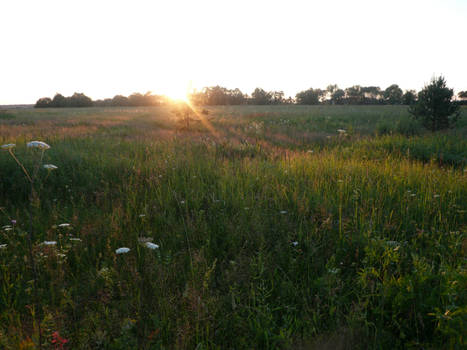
{"type": "Point", "coordinates": [111, 48]}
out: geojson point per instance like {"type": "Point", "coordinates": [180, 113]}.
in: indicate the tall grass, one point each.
{"type": "Point", "coordinates": [271, 235]}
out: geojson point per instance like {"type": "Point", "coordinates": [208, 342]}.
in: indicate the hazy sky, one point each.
{"type": "Point", "coordinates": [103, 48]}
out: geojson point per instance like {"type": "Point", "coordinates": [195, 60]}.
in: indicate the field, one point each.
{"type": "Point", "coordinates": [275, 230]}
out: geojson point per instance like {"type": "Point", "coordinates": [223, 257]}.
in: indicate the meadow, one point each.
{"type": "Point", "coordinates": [304, 227]}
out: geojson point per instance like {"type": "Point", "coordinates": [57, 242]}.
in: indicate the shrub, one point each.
{"type": "Point", "coordinates": [434, 107]}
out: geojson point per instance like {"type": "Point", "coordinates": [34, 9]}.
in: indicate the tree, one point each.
{"type": "Point", "coordinates": [393, 95]}
{"type": "Point", "coordinates": [309, 97]}
{"type": "Point", "coordinates": [79, 100]}
{"type": "Point", "coordinates": [43, 102]}
{"type": "Point", "coordinates": [261, 97]}
{"type": "Point", "coordinates": [337, 97]}
{"type": "Point", "coordinates": [354, 95]}
{"type": "Point", "coordinates": [59, 101]}
{"type": "Point", "coordinates": [371, 94]}
{"type": "Point", "coordinates": [435, 107]}
{"type": "Point", "coordinates": [409, 97]}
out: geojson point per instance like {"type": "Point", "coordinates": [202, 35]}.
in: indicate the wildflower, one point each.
{"type": "Point", "coordinates": [6, 226]}
{"type": "Point", "coordinates": [58, 341]}
{"type": "Point", "coordinates": [283, 211]}
{"type": "Point", "coordinates": [122, 250]}
{"type": "Point", "coordinates": [8, 229]}
{"type": "Point", "coordinates": [341, 131]}
{"type": "Point", "coordinates": [310, 151]}
{"type": "Point", "coordinates": [142, 215]}
{"type": "Point", "coordinates": [49, 243]}
{"type": "Point", "coordinates": [182, 202]}
{"type": "Point", "coordinates": [49, 166]}
{"type": "Point", "coordinates": [295, 243]}
{"type": "Point", "coordinates": [64, 225]}
{"type": "Point", "coordinates": [151, 245]}
{"type": "Point", "coordinates": [436, 196]}
{"type": "Point", "coordinates": [13, 222]}
{"type": "Point", "coordinates": [334, 271]}
{"type": "Point", "coordinates": [38, 144]}
{"type": "Point", "coordinates": [8, 146]}
{"type": "Point", "coordinates": [3, 246]}
{"type": "Point", "coordinates": [75, 239]}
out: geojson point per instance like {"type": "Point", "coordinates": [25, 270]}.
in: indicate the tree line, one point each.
{"type": "Point", "coordinates": [218, 95]}
{"type": "Point", "coordinates": [81, 100]}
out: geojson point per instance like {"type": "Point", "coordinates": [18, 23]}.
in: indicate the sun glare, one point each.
{"type": "Point", "coordinates": [177, 92]}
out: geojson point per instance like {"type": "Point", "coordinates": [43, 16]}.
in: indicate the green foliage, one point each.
{"type": "Point", "coordinates": [435, 108]}
{"type": "Point", "coordinates": [274, 233]}
{"type": "Point", "coordinates": [309, 97]}
{"type": "Point", "coordinates": [393, 94]}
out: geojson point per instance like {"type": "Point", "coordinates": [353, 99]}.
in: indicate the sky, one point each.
{"type": "Point", "coordinates": [108, 47]}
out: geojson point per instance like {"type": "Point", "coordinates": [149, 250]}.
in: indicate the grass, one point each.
{"type": "Point", "coordinates": [274, 230]}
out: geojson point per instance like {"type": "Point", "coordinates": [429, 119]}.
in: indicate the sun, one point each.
{"type": "Point", "coordinates": [177, 92]}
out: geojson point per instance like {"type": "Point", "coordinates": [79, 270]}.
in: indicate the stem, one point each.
{"type": "Point", "coordinates": [21, 166]}
{"type": "Point", "coordinates": [33, 264]}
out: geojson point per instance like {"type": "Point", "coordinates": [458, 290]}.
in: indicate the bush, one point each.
{"type": "Point", "coordinates": [435, 108]}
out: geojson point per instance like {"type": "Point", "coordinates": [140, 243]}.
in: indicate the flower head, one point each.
{"type": "Point", "coordinates": [64, 225]}
{"type": "Point", "coordinates": [122, 250]}
{"type": "Point", "coordinates": [49, 242]}
{"type": "Point", "coordinates": [8, 146]}
{"type": "Point", "coordinates": [49, 166]}
{"type": "Point", "coordinates": [75, 239]}
{"type": "Point", "coordinates": [341, 131]}
{"type": "Point", "coordinates": [151, 245]}
{"type": "Point", "coordinates": [3, 246]}
{"type": "Point", "coordinates": [38, 144]}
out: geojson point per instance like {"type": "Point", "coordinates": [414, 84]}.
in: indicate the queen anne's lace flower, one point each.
{"type": "Point", "coordinates": [122, 250]}
{"type": "Point", "coordinates": [8, 146]}
{"type": "Point", "coordinates": [49, 166]}
{"type": "Point", "coordinates": [151, 245]}
{"type": "Point", "coordinates": [38, 144]}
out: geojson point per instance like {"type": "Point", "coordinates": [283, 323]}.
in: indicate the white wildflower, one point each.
{"type": "Point", "coordinates": [436, 196]}
{"type": "Point", "coordinates": [283, 211]}
{"type": "Point", "coordinates": [49, 167]}
{"type": "Point", "coordinates": [144, 239]}
{"type": "Point", "coordinates": [122, 250]}
{"type": "Point", "coordinates": [6, 226]}
{"type": "Point", "coordinates": [64, 225]}
{"type": "Point", "coordinates": [295, 243]}
{"type": "Point", "coordinates": [3, 246]}
{"type": "Point", "coordinates": [151, 245]}
{"type": "Point", "coordinates": [8, 229]}
{"type": "Point", "coordinates": [38, 144]}
{"type": "Point", "coordinates": [142, 215]}
{"type": "Point", "coordinates": [49, 243]}
{"type": "Point", "coordinates": [341, 131]}
{"type": "Point", "coordinates": [8, 146]}
{"type": "Point", "coordinates": [75, 239]}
